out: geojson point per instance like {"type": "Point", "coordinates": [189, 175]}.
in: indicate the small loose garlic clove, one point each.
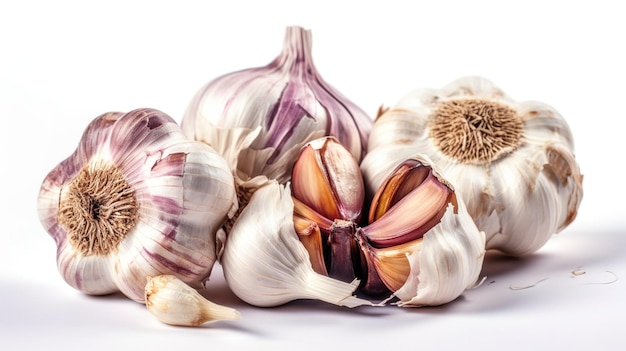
{"type": "Point", "coordinates": [135, 199]}
{"type": "Point", "coordinates": [512, 162]}
{"type": "Point", "coordinates": [173, 302]}
{"type": "Point", "coordinates": [266, 265]}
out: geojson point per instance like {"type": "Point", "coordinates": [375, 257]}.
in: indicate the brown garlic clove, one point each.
{"type": "Point", "coordinates": [407, 205]}
{"type": "Point", "coordinates": [328, 180]}
{"type": "Point", "coordinates": [386, 269]}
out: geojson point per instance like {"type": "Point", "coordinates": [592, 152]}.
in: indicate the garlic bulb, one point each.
{"type": "Point", "coordinates": [173, 302]}
{"type": "Point", "coordinates": [136, 199]}
{"type": "Point", "coordinates": [512, 162]}
{"type": "Point", "coordinates": [418, 242]}
{"type": "Point", "coordinates": [266, 265]}
{"type": "Point", "coordinates": [259, 118]}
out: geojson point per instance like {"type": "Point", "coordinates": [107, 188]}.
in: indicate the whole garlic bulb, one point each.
{"type": "Point", "coordinates": [136, 199]}
{"type": "Point", "coordinates": [512, 162]}
{"type": "Point", "coordinates": [259, 118]}
{"type": "Point", "coordinates": [418, 242]}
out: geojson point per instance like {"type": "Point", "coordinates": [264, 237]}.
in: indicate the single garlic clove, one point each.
{"type": "Point", "coordinates": [512, 162]}
{"type": "Point", "coordinates": [404, 180]}
{"type": "Point", "coordinates": [311, 237]}
{"type": "Point", "coordinates": [136, 199]}
{"type": "Point", "coordinates": [388, 269]}
{"type": "Point", "coordinates": [264, 262]}
{"type": "Point", "coordinates": [173, 302]}
{"type": "Point", "coordinates": [328, 180]}
{"type": "Point", "coordinates": [413, 200]}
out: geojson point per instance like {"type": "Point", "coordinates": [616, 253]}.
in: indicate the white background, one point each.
{"type": "Point", "coordinates": [62, 63]}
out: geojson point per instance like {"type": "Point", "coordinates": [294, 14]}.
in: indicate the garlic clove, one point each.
{"type": "Point", "coordinates": [403, 180]}
{"type": "Point", "coordinates": [379, 163]}
{"type": "Point", "coordinates": [264, 262]}
{"type": "Point", "coordinates": [387, 268]}
{"type": "Point", "coordinates": [510, 161]}
{"type": "Point", "coordinates": [136, 199]}
{"type": "Point", "coordinates": [173, 302]}
{"type": "Point", "coordinates": [413, 200]}
{"type": "Point", "coordinates": [328, 180]}
{"type": "Point", "coordinates": [311, 237]}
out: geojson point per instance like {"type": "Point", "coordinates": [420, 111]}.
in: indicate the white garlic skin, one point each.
{"type": "Point", "coordinates": [173, 302]}
{"type": "Point", "coordinates": [449, 262]}
{"type": "Point", "coordinates": [521, 199]}
{"type": "Point", "coordinates": [284, 104]}
{"type": "Point", "coordinates": [184, 191]}
{"type": "Point", "coordinates": [266, 265]}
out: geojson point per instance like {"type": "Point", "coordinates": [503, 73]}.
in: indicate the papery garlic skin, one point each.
{"type": "Point", "coordinates": [449, 261]}
{"type": "Point", "coordinates": [523, 189]}
{"type": "Point", "coordinates": [180, 192]}
{"type": "Point", "coordinates": [266, 265]}
{"type": "Point", "coordinates": [173, 302]}
{"type": "Point", "coordinates": [271, 111]}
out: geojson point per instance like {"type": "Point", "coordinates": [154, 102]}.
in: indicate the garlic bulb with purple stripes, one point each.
{"type": "Point", "coordinates": [259, 118]}
{"type": "Point", "coordinates": [135, 200]}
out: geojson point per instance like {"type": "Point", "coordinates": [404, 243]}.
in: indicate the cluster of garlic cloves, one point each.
{"type": "Point", "coordinates": [259, 118]}
{"type": "Point", "coordinates": [136, 199]}
{"type": "Point", "coordinates": [512, 162]}
{"type": "Point", "coordinates": [317, 230]}
{"type": "Point", "coordinates": [266, 265]}
{"type": "Point", "coordinates": [383, 250]}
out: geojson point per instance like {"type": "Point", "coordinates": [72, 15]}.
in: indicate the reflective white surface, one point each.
{"type": "Point", "coordinates": [63, 63]}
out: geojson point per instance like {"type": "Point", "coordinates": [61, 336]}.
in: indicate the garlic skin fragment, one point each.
{"type": "Point", "coordinates": [266, 265]}
{"type": "Point", "coordinates": [259, 118]}
{"type": "Point", "coordinates": [512, 162]}
{"type": "Point", "coordinates": [173, 302]}
{"type": "Point", "coordinates": [449, 261]}
{"type": "Point", "coordinates": [136, 199]}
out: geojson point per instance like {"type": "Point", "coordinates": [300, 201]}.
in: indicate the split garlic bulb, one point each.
{"type": "Point", "coordinates": [259, 118]}
{"type": "Point", "coordinates": [136, 199]}
{"type": "Point", "coordinates": [417, 243]}
{"type": "Point", "coordinates": [512, 162]}
{"type": "Point", "coordinates": [266, 265]}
